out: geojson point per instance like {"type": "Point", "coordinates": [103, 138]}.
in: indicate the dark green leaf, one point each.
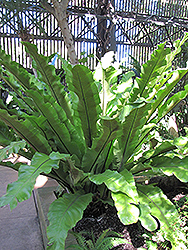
{"type": "Point", "coordinates": [49, 77]}
{"type": "Point", "coordinates": [111, 128]}
{"type": "Point", "coordinates": [27, 131]}
{"type": "Point", "coordinates": [88, 108]}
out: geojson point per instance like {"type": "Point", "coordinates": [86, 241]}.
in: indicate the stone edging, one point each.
{"type": "Point", "coordinates": [43, 198]}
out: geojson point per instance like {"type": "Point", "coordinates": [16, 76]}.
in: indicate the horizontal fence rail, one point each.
{"type": "Point", "coordinates": [132, 27]}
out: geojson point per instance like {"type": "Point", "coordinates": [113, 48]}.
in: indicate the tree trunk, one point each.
{"type": "Point", "coordinates": [59, 10]}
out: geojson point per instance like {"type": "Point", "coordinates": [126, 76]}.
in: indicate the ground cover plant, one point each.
{"type": "Point", "coordinates": [107, 240]}
{"type": "Point", "coordinates": [95, 140]}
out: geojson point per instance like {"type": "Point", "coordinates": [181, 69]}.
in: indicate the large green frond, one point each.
{"type": "Point", "coordinates": [151, 70]}
{"type": "Point", "coordinates": [110, 129]}
{"type": "Point", "coordinates": [154, 204]}
{"type": "Point", "coordinates": [20, 74]}
{"type": "Point", "coordinates": [172, 166]}
{"type": "Point", "coordinates": [166, 107]}
{"type": "Point", "coordinates": [123, 192]}
{"type": "Point", "coordinates": [49, 76]}
{"type": "Point", "coordinates": [128, 212]}
{"type": "Point", "coordinates": [132, 126]}
{"type": "Point", "coordinates": [63, 215]}
{"type": "Point", "coordinates": [162, 93]}
{"type": "Point", "coordinates": [117, 182]}
{"type": "Point", "coordinates": [87, 108]}
{"type": "Point", "coordinates": [58, 122]}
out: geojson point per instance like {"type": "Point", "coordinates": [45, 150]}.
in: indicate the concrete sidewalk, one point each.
{"type": "Point", "coordinates": [19, 229]}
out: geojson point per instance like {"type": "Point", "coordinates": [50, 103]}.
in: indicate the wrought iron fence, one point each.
{"type": "Point", "coordinates": [132, 27]}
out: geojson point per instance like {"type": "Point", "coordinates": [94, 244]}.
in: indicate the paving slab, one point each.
{"type": "Point", "coordinates": [19, 228]}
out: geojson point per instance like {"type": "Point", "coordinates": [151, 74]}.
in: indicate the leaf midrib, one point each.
{"type": "Point", "coordinates": [86, 111]}
{"type": "Point", "coordinates": [136, 113]}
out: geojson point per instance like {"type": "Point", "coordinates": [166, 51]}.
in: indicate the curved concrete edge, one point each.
{"type": "Point", "coordinates": [43, 198]}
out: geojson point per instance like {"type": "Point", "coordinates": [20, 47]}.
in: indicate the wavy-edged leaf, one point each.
{"type": "Point", "coordinates": [143, 163]}
{"type": "Point", "coordinates": [58, 123]}
{"type": "Point", "coordinates": [161, 149]}
{"type": "Point", "coordinates": [136, 120]}
{"type": "Point", "coordinates": [63, 215]}
{"type": "Point", "coordinates": [20, 74]}
{"type": "Point", "coordinates": [87, 109]}
{"type": "Point", "coordinates": [48, 75]}
{"type": "Point", "coordinates": [123, 192]}
{"type": "Point", "coordinates": [132, 126]}
{"type": "Point", "coordinates": [40, 123]}
{"type": "Point", "coordinates": [169, 59]}
{"type": "Point", "coordinates": [171, 103]}
{"type": "Point", "coordinates": [21, 189]}
{"type": "Point", "coordinates": [22, 101]}
{"type": "Point", "coordinates": [117, 182]}
{"type": "Point", "coordinates": [77, 141]}
{"type": "Point", "coordinates": [75, 173]}
{"type": "Point", "coordinates": [161, 94]}
{"type": "Point", "coordinates": [14, 147]}
{"type": "Point", "coordinates": [177, 44]}
{"type": "Point", "coordinates": [110, 129]}
{"type": "Point", "coordinates": [170, 166]}
{"type": "Point", "coordinates": [157, 205]}
{"type": "Point", "coordinates": [27, 131]}
{"type": "Point", "coordinates": [128, 212]}
{"type": "Point", "coordinates": [164, 108]}
{"type": "Point", "coordinates": [152, 69]}
{"type": "Point", "coordinates": [146, 219]}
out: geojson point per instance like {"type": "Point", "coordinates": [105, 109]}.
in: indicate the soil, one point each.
{"type": "Point", "coordinates": [99, 217]}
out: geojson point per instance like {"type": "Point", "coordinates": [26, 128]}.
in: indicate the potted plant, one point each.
{"type": "Point", "coordinates": [90, 138]}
